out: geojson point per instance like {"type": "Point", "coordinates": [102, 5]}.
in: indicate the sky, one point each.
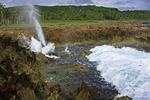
{"type": "Point", "coordinates": [120, 4]}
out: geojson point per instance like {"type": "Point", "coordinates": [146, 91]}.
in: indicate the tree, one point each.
{"type": "Point", "coordinates": [6, 15]}
{"type": "Point", "coordinates": [1, 13]}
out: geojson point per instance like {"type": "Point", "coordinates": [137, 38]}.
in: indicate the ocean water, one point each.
{"type": "Point", "coordinates": [126, 68]}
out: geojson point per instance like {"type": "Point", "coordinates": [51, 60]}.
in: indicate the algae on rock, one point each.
{"type": "Point", "coordinates": [84, 93]}
{"type": "Point", "coordinates": [20, 72]}
{"type": "Point", "coordinates": [123, 98]}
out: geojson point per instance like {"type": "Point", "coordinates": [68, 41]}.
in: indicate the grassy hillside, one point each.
{"type": "Point", "coordinates": [17, 15]}
{"type": "Point", "coordinates": [89, 13]}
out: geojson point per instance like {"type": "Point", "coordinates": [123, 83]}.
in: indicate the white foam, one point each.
{"type": "Point", "coordinates": [126, 68]}
{"type": "Point", "coordinates": [48, 48]}
{"type": "Point", "coordinates": [66, 49]}
{"type": "Point", "coordinates": [52, 56]}
{"type": "Point", "coordinates": [35, 45]}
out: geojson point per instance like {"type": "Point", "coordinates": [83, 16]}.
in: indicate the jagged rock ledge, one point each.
{"type": "Point", "coordinates": [20, 77]}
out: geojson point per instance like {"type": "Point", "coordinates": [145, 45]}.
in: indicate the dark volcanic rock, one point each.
{"type": "Point", "coordinates": [72, 72]}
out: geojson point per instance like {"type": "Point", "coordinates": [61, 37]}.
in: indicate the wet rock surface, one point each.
{"type": "Point", "coordinates": [20, 77]}
{"type": "Point", "coordinates": [59, 71]}
{"type": "Point", "coordinates": [123, 98]}
{"type": "Point", "coordinates": [84, 93]}
{"type": "Point", "coordinates": [20, 69]}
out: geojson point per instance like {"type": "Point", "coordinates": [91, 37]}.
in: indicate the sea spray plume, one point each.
{"type": "Point", "coordinates": [66, 49]}
{"type": "Point", "coordinates": [33, 16]}
{"type": "Point", "coordinates": [35, 45]}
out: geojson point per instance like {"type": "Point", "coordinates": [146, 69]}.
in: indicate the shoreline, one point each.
{"type": "Point", "coordinates": [118, 34]}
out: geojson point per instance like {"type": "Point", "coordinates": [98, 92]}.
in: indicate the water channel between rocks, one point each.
{"type": "Point", "coordinates": [58, 71]}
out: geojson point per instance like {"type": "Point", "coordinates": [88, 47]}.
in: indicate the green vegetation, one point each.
{"type": "Point", "coordinates": [89, 13]}
{"type": "Point", "coordinates": [67, 22]}
{"type": "Point", "coordinates": [20, 77]}
{"type": "Point", "coordinates": [15, 25]}
{"type": "Point", "coordinates": [66, 13]}
{"type": "Point", "coordinates": [51, 23]}
{"type": "Point", "coordinates": [5, 15]}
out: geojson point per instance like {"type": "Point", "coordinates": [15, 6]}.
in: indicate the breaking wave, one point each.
{"type": "Point", "coordinates": [126, 68]}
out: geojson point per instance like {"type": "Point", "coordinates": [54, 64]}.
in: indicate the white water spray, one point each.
{"type": "Point", "coordinates": [126, 68]}
{"type": "Point", "coordinates": [33, 15]}
{"type": "Point", "coordinates": [66, 49]}
{"type": "Point", "coordinates": [35, 45]}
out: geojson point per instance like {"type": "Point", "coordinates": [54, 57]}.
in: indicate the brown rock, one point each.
{"type": "Point", "coordinates": [20, 72]}
{"type": "Point", "coordinates": [26, 94]}
{"type": "Point", "coordinates": [123, 98]}
{"type": "Point", "coordinates": [84, 93]}
{"type": "Point", "coordinates": [86, 52]}
{"type": "Point", "coordinates": [78, 67]}
{"type": "Point", "coordinates": [55, 88]}
{"type": "Point", "coordinates": [41, 55]}
{"type": "Point", "coordinates": [54, 93]}
{"type": "Point", "coordinates": [5, 92]}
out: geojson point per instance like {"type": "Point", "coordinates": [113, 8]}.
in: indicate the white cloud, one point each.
{"type": "Point", "coordinates": [120, 4]}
